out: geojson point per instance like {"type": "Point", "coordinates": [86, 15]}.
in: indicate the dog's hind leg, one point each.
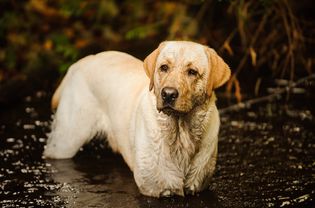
{"type": "Point", "coordinates": [76, 120]}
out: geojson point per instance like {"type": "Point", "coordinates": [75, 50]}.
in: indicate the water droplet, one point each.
{"type": "Point", "coordinates": [302, 198]}
{"type": "Point", "coordinates": [18, 123]}
{"type": "Point", "coordinates": [40, 94]}
{"type": "Point", "coordinates": [28, 126]}
{"type": "Point", "coordinates": [42, 140]}
{"type": "Point", "coordinates": [252, 114]}
{"type": "Point", "coordinates": [285, 203]}
{"type": "Point", "coordinates": [29, 110]}
{"type": "Point", "coordinates": [269, 140]}
{"type": "Point", "coordinates": [38, 123]}
{"type": "Point", "coordinates": [28, 99]}
{"type": "Point", "coordinates": [10, 140]}
{"type": "Point", "coordinates": [296, 129]}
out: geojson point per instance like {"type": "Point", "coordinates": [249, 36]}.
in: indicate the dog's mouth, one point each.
{"type": "Point", "coordinates": [170, 111]}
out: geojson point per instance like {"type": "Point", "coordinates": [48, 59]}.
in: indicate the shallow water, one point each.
{"type": "Point", "coordinates": [266, 159]}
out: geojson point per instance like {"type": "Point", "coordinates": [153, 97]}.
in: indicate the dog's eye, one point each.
{"type": "Point", "coordinates": [192, 72]}
{"type": "Point", "coordinates": [164, 68]}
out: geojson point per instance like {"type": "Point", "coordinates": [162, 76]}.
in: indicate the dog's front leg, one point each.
{"type": "Point", "coordinates": [154, 171]}
{"type": "Point", "coordinates": [201, 169]}
{"type": "Point", "coordinates": [158, 178]}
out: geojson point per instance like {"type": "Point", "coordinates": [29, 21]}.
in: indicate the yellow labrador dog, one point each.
{"type": "Point", "coordinates": [160, 115]}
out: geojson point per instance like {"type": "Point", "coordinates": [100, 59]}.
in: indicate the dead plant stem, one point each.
{"type": "Point", "coordinates": [277, 93]}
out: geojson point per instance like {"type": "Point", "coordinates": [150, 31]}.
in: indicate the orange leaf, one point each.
{"type": "Point", "coordinates": [41, 7]}
{"type": "Point", "coordinates": [253, 55]}
{"type": "Point", "coordinates": [80, 43]}
{"type": "Point", "coordinates": [48, 45]}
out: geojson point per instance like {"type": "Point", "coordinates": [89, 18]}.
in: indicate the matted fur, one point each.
{"type": "Point", "coordinates": [170, 151]}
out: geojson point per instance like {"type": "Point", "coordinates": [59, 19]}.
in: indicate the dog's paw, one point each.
{"type": "Point", "coordinates": [192, 186]}
{"type": "Point", "coordinates": [172, 192]}
{"type": "Point", "coordinates": [192, 190]}
{"type": "Point", "coordinates": [166, 193]}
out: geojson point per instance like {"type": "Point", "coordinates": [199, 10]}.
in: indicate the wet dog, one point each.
{"type": "Point", "coordinates": [160, 114]}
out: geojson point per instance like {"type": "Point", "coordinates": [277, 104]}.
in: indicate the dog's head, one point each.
{"type": "Point", "coordinates": [183, 74]}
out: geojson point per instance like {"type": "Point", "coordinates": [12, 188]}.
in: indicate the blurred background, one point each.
{"type": "Point", "coordinates": [266, 152]}
{"type": "Point", "coordinates": [261, 40]}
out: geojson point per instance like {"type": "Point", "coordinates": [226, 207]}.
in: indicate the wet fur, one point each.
{"type": "Point", "coordinates": [169, 153]}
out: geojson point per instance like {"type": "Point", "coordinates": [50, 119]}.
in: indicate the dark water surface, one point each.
{"type": "Point", "coordinates": [266, 159]}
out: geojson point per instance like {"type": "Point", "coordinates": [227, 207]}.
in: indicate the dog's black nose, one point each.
{"type": "Point", "coordinates": [169, 95]}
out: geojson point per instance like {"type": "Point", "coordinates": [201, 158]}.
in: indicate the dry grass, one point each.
{"type": "Point", "coordinates": [270, 37]}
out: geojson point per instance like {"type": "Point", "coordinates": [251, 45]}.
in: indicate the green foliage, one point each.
{"type": "Point", "coordinates": [142, 31]}
{"type": "Point", "coordinates": [248, 34]}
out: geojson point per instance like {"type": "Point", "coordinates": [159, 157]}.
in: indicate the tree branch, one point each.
{"type": "Point", "coordinates": [277, 93]}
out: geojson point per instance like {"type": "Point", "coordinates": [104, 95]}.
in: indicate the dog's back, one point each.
{"type": "Point", "coordinates": [105, 62]}
{"type": "Point", "coordinates": [108, 85]}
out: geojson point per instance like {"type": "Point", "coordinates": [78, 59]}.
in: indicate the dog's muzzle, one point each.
{"type": "Point", "coordinates": [169, 96]}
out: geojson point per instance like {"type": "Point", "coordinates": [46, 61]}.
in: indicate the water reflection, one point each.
{"type": "Point", "coordinates": [107, 182]}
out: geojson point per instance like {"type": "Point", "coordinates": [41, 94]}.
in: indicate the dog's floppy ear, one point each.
{"type": "Point", "coordinates": [149, 64]}
{"type": "Point", "coordinates": [219, 71]}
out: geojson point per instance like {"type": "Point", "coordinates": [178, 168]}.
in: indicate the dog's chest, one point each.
{"type": "Point", "coordinates": [182, 139]}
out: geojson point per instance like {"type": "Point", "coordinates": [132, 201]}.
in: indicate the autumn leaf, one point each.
{"type": "Point", "coordinates": [41, 7]}
{"type": "Point", "coordinates": [253, 55]}
{"type": "Point", "coordinates": [48, 44]}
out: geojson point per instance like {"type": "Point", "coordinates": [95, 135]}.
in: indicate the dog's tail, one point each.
{"type": "Point", "coordinates": [56, 97]}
